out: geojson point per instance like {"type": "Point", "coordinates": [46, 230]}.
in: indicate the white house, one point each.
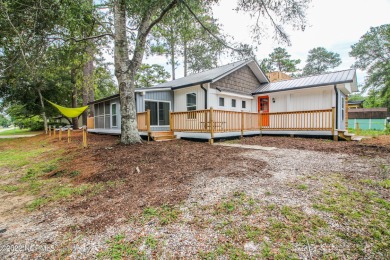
{"type": "Point", "coordinates": [236, 99]}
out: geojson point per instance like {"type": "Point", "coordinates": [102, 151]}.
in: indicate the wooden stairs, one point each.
{"type": "Point", "coordinates": [162, 136]}
{"type": "Point", "coordinates": [343, 134]}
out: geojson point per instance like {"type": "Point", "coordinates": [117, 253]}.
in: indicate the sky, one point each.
{"type": "Point", "coordinates": [332, 24]}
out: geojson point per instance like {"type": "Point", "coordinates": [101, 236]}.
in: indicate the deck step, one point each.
{"type": "Point", "coordinates": [161, 133]}
{"type": "Point", "coordinates": [343, 134]}
{"type": "Point", "coordinates": [164, 137]}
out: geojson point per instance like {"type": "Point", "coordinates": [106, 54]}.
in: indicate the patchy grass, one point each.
{"type": "Point", "coordinates": [362, 209]}
{"type": "Point", "coordinates": [273, 229]}
{"type": "Point", "coordinates": [9, 188]}
{"type": "Point", "coordinates": [121, 248]}
{"type": "Point", "coordinates": [367, 132]}
{"type": "Point", "coordinates": [165, 214]}
{"type": "Point", "coordinates": [28, 163]}
{"type": "Point", "coordinates": [302, 186]}
{"type": "Point", "coordinates": [383, 184]}
{"type": "Point", "coordinates": [17, 131]}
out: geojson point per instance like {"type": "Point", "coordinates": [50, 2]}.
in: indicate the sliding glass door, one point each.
{"type": "Point", "coordinates": [159, 112]}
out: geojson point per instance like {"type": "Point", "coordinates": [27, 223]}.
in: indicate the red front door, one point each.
{"type": "Point", "coordinates": [263, 107]}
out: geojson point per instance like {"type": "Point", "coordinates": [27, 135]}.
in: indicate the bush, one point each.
{"type": "Point", "coordinates": [35, 123]}
{"type": "Point", "coordinates": [387, 129]}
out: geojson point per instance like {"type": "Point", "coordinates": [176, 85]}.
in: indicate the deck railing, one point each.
{"type": "Point", "coordinates": [143, 121]}
{"type": "Point", "coordinates": [215, 121]}
{"type": "Point", "coordinates": [219, 121]}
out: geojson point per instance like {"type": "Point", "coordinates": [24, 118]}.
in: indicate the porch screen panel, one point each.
{"type": "Point", "coordinates": [163, 113]}
{"type": "Point", "coordinates": [107, 115]}
{"type": "Point", "coordinates": [99, 115]}
{"type": "Point", "coordinates": [152, 106]}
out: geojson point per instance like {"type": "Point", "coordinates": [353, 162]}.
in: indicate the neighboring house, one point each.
{"type": "Point", "coordinates": [355, 104]}
{"type": "Point", "coordinates": [236, 99]}
{"type": "Point", "coordinates": [368, 118]}
{"type": "Point", "coordinates": [277, 76]}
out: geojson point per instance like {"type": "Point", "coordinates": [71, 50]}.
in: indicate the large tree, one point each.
{"type": "Point", "coordinates": [372, 54]}
{"type": "Point", "coordinates": [280, 60]}
{"type": "Point", "coordinates": [144, 15]}
{"type": "Point", "coordinates": [319, 60]}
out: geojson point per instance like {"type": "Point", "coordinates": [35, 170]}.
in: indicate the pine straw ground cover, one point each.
{"type": "Point", "coordinates": [309, 198]}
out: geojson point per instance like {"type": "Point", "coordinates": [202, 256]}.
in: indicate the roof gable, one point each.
{"type": "Point", "coordinates": [214, 75]}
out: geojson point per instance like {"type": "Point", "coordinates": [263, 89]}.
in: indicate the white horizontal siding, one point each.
{"type": "Point", "coordinates": [180, 98]}
{"type": "Point", "coordinates": [214, 96]}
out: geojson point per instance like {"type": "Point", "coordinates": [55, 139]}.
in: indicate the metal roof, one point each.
{"type": "Point", "coordinates": [355, 102]}
{"type": "Point", "coordinates": [331, 78]}
{"type": "Point", "coordinates": [211, 75]}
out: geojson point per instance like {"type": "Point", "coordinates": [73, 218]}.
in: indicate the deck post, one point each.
{"type": "Point", "coordinates": [242, 123]}
{"type": "Point", "coordinates": [54, 132]}
{"type": "Point", "coordinates": [60, 134]}
{"type": "Point", "coordinates": [261, 123]}
{"type": "Point", "coordinates": [49, 130]}
{"type": "Point", "coordinates": [211, 125]}
{"type": "Point", "coordinates": [335, 136]}
{"type": "Point", "coordinates": [85, 136]}
{"type": "Point", "coordinates": [148, 123]}
{"type": "Point", "coordinates": [68, 134]}
{"type": "Point", "coordinates": [170, 121]}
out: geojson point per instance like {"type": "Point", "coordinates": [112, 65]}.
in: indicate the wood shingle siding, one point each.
{"type": "Point", "coordinates": [242, 81]}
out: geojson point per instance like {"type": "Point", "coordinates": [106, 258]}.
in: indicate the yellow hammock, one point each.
{"type": "Point", "coordinates": [68, 111]}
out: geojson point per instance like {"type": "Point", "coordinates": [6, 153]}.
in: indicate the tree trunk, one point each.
{"type": "Point", "coordinates": [124, 72]}
{"type": "Point", "coordinates": [125, 69]}
{"type": "Point", "coordinates": [87, 80]}
{"type": "Point", "coordinates": [172, 49]}
{"type": "Point", "coordinates": [91, 97]}
{"type": "Point", "coordinates": [173, 61]}
{"type": "Point", "coordinates": [43, 110]}
{"type": "Point", "coordinates": [185, 58]}
{"type": "Point", "coordinates": [75, 121]}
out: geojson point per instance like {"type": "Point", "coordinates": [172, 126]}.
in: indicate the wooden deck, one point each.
{"type": "Point", "coordinates": [211, 123]}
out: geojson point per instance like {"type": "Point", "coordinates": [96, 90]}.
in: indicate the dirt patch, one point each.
{"type": "Point", "coordinates": [154, 174]}
{"type": "Point", "coordinates": [378, 146]}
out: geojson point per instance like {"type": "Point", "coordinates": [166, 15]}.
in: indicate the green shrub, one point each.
{"type": "Point", "coordinates": [387, 129]}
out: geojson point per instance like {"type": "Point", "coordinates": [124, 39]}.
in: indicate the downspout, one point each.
{"type": "Point", "coordinates": [205, 96]}
{"type": "Point", "coordinates": [337, 107]}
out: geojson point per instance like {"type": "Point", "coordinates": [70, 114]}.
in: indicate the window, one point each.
{"type": "Point", "coordinates": [114, 118]}
{"type": "Point", "coordinates": [221, 102]}
{"type": "Point", "coordinates": [243, 104]}
{"type": "Point", "coordinates": [191, 105]}
{"type": "Point", "coordinates": [233, 103]}
{"type": "Point", "coordinates": [342, 108]}
{"type": "Point", "coordinates": [159, 112]}
{"type": "Point", "coordinates": [191, 101]}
